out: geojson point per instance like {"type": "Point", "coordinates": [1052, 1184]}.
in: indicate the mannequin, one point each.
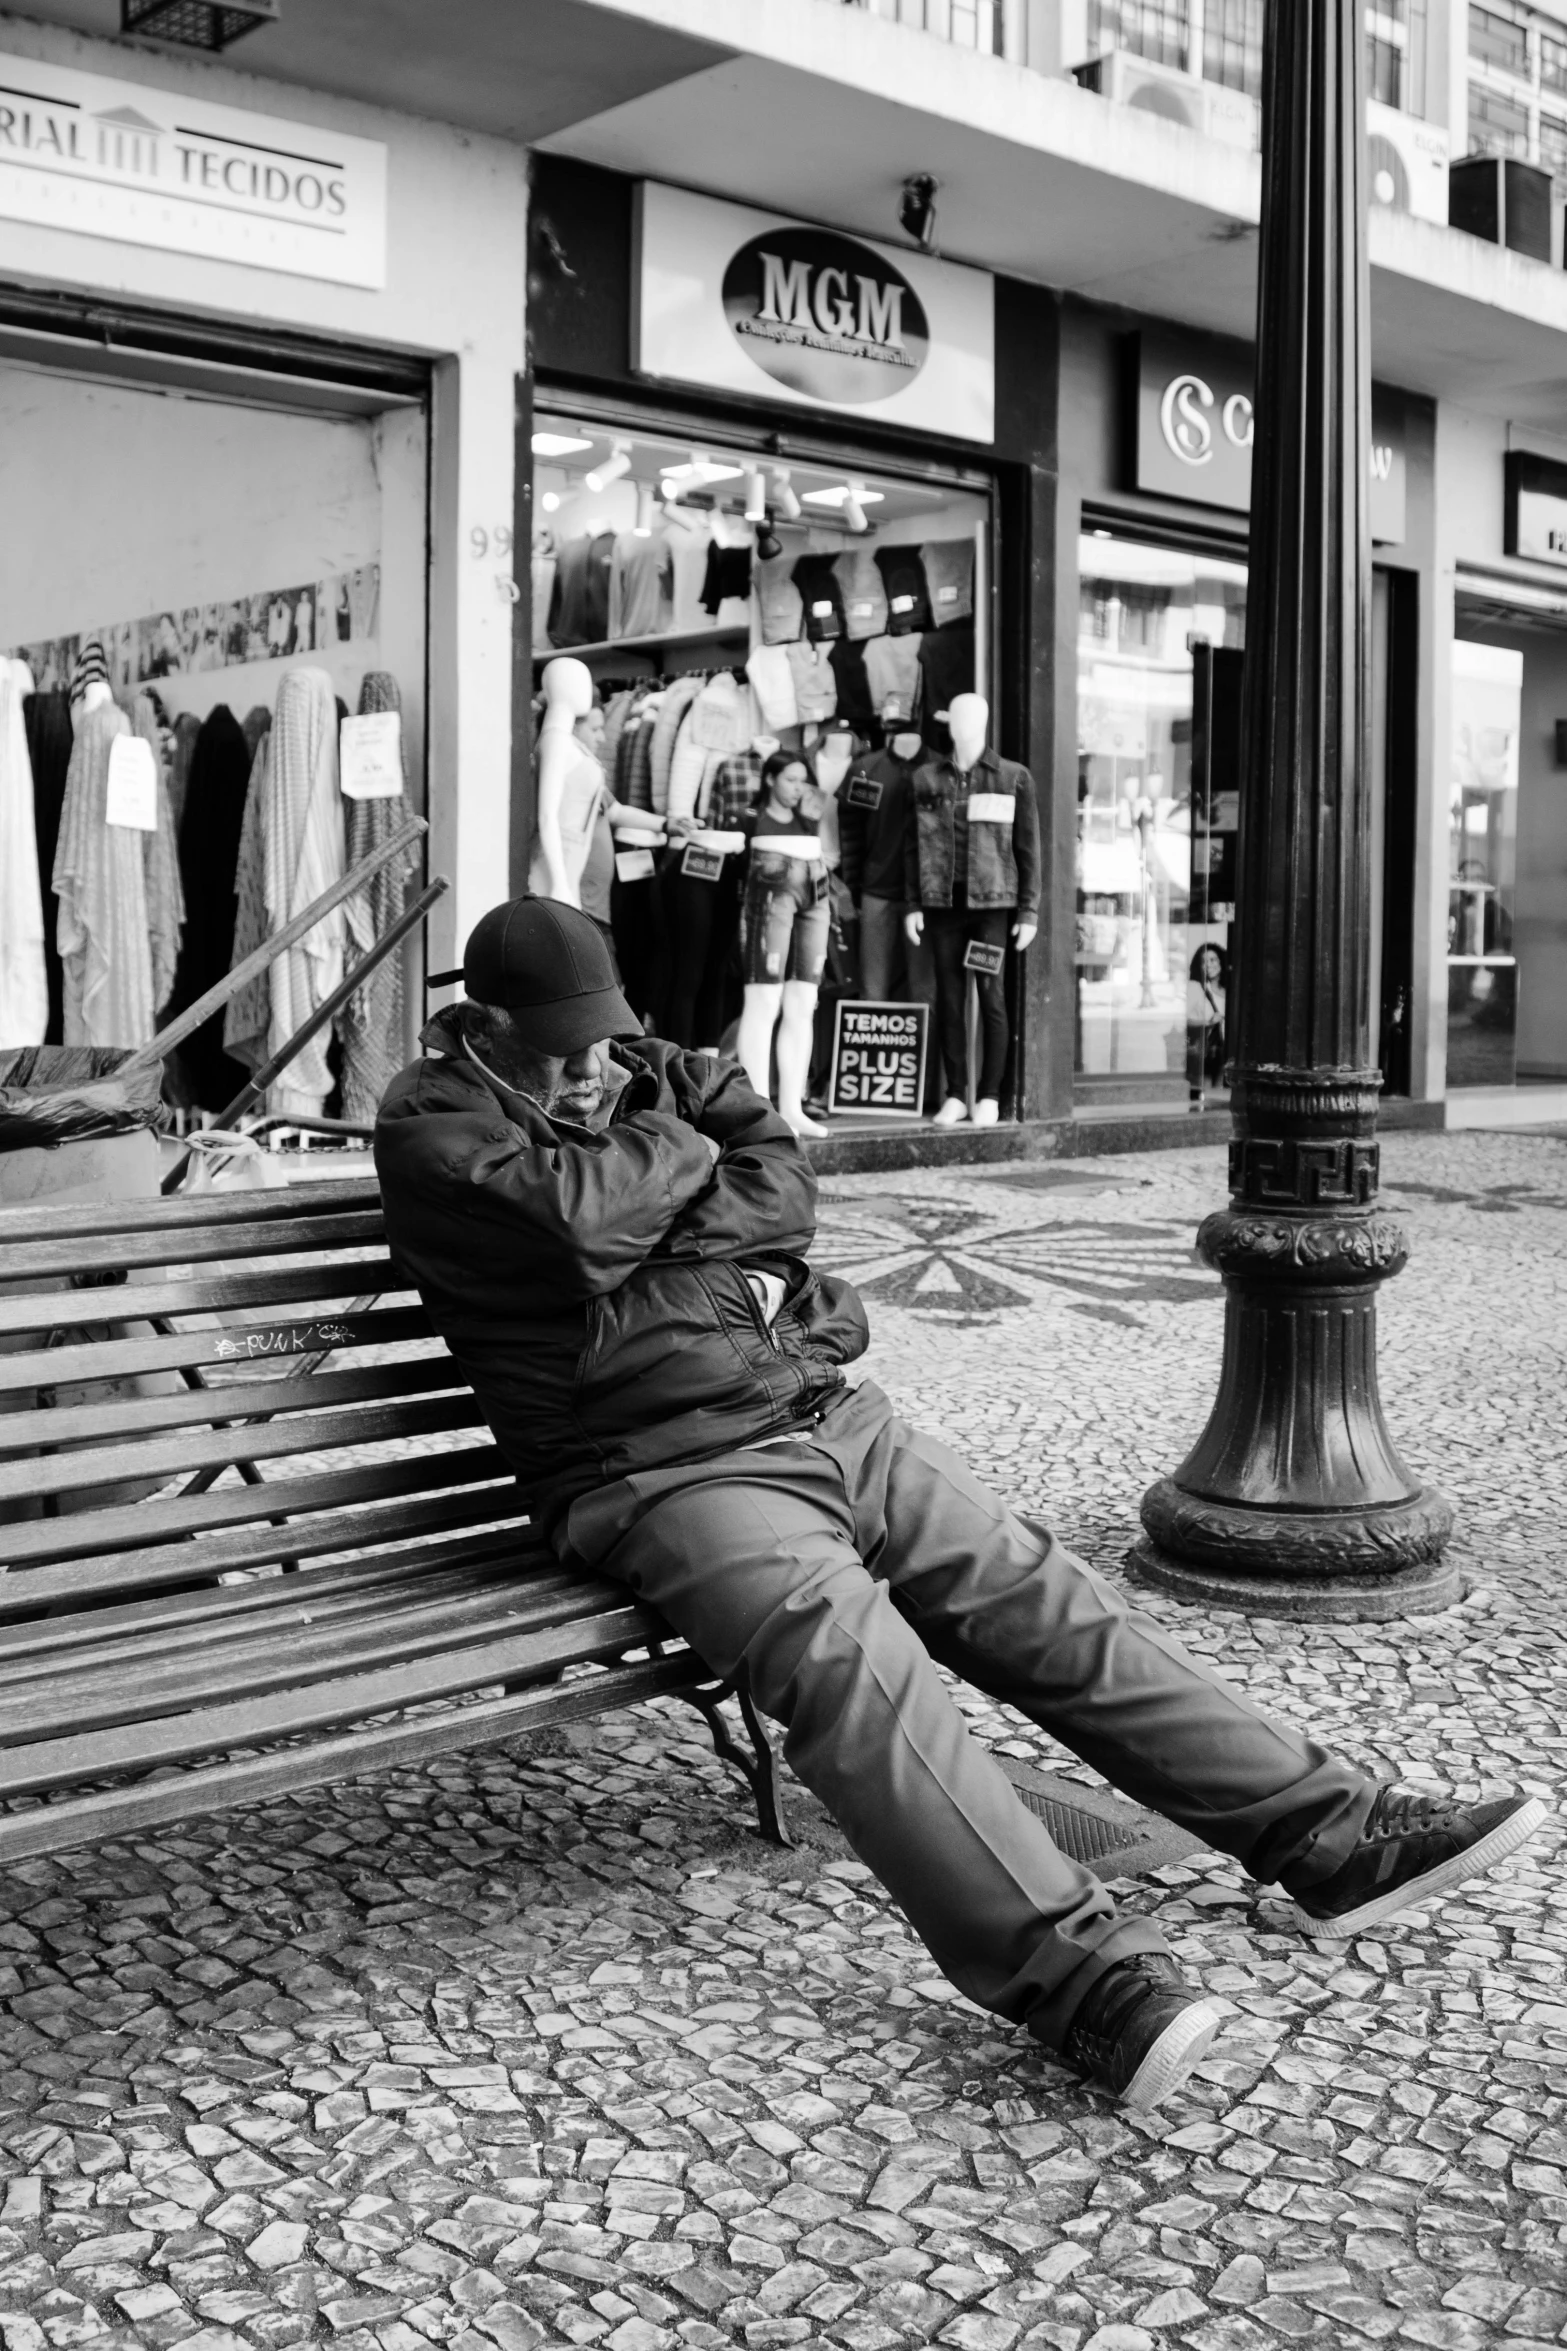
{"type": "Point", "coordinates": [973, 859]}
{"type": "Point", "coordinates": [555, 869]}
{"type": "Point", "coordinates": [784, 918]}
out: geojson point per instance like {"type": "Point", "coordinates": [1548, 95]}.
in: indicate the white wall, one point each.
{"type": "Point", "coordinates": [457, 263]}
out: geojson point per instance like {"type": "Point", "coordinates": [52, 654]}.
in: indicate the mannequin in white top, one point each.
{"type": "Point", "coordinates": [784, 923]}
{"type": "Point", "coordinates": [968, 723]}
{"type": "Point", "coordinates": [568, 697]}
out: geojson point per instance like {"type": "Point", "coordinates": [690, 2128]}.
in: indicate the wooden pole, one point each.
{"type": "Point", "coordinates": [1294, 1500]}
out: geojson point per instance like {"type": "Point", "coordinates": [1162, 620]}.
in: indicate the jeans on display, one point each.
{"type": "Point", "coordinates": [833, 1572]}
{"type": "Point", "coordinates": [893, 969]}
{"type": "Point", "coordinates": [636, 916]}
{"type": "Point", "coordinates": [949, 930]}
{"type": "Point", "coordinates": [700, 919]}
{"type": "Point", "coordinates": [784, 924]}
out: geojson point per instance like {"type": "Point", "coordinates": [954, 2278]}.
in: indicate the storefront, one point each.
{"type": "Point", "coordinates": [802, 465]}
{"type": "Point", "coordinates": [1506, 963]}
{"type": "Point", "coordinates": [1156, 431]}
{"type": "Point", "coordinates": [245, 472]}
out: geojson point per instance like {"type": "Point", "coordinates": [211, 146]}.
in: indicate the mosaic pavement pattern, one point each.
{"type": "Point", "coordinates": [540, 2046]}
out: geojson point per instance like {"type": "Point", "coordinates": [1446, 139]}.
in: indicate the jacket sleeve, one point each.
{"type": "Point", "coordinates": [763, 1192]}
{"type": "Point", "coordinates": [572, 1218]}
{"type": "Point", "coordinates": [1025, 842]}
{"type": "Point", "coordinates": [851, 838]}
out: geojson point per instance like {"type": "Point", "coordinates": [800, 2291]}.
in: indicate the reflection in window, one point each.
{"type": "Point", "coordinates": [1155, 879]}
{"type": "Point", "coordinates": [1232, 45]}
{"type": "Point", "coordinates": [1482, 990]}
{"type": "Point", "coordinates": [1497, 125]}
{"type": "Point", "coordinates": [1497, 40]}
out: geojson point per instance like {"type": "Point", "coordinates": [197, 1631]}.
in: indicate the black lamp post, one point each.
{"type": "Point", "coordinates": [1294, 1500]}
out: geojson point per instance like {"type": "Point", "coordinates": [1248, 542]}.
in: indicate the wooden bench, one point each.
{"type": "Point", "coordinates": [256, 1535]}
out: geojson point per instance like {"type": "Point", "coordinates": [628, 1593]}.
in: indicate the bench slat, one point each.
{"type": "Point", "coordinates": [280, 1285]}
{"type": "Point", "coordinates": [154, 1680]}
{"type": "Point", "coordinates": [53, 1763]}
{"type": "Point", "coordinates": [190, 1210]}
{"type": "Point", "coordinates": [183, 1451]}
{"type": "Point", "coordinates": [253, 1779]}
{"type": "Point", "coordinates": [86, 1533]}
{"type": "Point", "coordinates": [123, 1416]}
{"type": "Point", "coordinates": [34, 1261]}
{"type": "Point", "coordinates": [499, 1551]}
{"type": "Point", "coordinates": [229, 1343]}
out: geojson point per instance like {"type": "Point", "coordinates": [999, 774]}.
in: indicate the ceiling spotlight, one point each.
{"type": "Point", "coordinates": [784, 499]}
{"type": "Point", "coordinates": [755, 495]}
{"type": "Point", "coordinates": [853, 507]}
{"type": "Point", "coordinates": [698, 470]}
{"type": "Point", "coordinates": [550, 501]}
{"type": "Point", "coordinates": [842, 493]}
{"type": "Point", "coordinates": [559, 444]}
{"type": "Point", "coordinates": [671, 488]}
{"type": "Point", "coordinates": [615, 464]}
{"type": "Point", "coordinates": [917, 209]}
{"type": "Point", "coordinates": [769, 546]}
{"type": "Point", "coordinates": [642, 528]}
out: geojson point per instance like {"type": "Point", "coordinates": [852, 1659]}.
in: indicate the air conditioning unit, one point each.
{"type": "Point", "coordinates": [1503, 200]}
{"type": "Point", "coordinates": [1214, 113]}
{"type": "Point", "coordinates": [1406, 162]}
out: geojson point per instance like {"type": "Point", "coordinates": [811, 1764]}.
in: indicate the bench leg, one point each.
{"type": "Point", "coordinates": [760, 1767]}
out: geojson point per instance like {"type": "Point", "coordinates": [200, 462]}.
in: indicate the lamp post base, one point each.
{"type": "Point", "coordinates": [1327, 1593]}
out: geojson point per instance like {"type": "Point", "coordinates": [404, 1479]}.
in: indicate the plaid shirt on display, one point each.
{"type": "Point", "coordinates": [734, 792]}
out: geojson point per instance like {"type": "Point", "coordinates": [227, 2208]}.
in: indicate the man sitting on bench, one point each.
{"type": "Point", "coordinates": [612, 1235]}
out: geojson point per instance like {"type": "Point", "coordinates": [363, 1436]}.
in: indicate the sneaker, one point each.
{"type": "Point", "coordinates": [1141, 2030]}
{"type": "Point", "coordinates": [1412, 1847]}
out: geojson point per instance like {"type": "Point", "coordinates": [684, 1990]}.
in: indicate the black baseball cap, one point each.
{"type": "Point", "coordinates": [552, 968]}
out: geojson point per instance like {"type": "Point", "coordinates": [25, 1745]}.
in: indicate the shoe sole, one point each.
{"type": "Point", "coordinates": [1179, 2047]}
{"type": "Point", "coordinates": [1503, 1841]}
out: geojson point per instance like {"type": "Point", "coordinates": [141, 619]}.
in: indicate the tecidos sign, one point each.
{"type": "Point", "coordinates": [749, 302]}
{"type": "Point", "coordinates": [117, 159]}
{"type": "Point", "coordinates": [1195, 425]}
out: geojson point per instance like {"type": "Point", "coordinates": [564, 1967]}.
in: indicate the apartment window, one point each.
{"type": "Point", "coordinates": [1499, 41]}
{"type": "Point", "coordinates": [1384, 71]}
{"type": "Point", "coordinates": [1147, 28]}
{"type": "Point", "coordinates": [1553, 145]}
{"type": "Point", "coordinates": [1553, 65]}
{"type": "Point", "coordinates": [1497, 125]}
{"type": "Point", "coordinates": [969, 24]}
{"type": "Point", "coordinates": [1232, 45]}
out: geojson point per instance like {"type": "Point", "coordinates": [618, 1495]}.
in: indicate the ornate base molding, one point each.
{"type": "Point", "coordinates": [1420, 1590]}
{"type": "Point", "coordinates": [1297, 1546]}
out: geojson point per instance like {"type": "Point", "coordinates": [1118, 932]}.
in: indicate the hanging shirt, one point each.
{"type": "Point", "coordinates": [303, 843]}
{"type": "Point", "coordinates": [864, 597]}
{"type": "Point", "coordinates": [949, 579]}
{"type": "Point", "coordinates": [821, 595]}
{"type": "Point", "coordinates": [641, 584]}
{"type": "Point", "coordinates": [908, 597]}
{"type": "Point", "coordinates": [370, 1024]}
{"type": "Point", "coordinates": [100, 877]}
{"type": "Point", "coordinates": [217, 784]}
{"type": "Point", "coordinates": [24, 985]}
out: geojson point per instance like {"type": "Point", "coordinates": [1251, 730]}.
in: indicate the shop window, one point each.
{"type": "Point", "coordinates": [1482, 989]}
{"type": "Point", "coordinates": [1156, 837]}
{"type": "Point", "coordinates": [1158, 29]}
{"type": "Point", "coordinates": [1498, 41]}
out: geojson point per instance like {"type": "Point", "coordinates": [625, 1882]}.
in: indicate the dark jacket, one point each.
{"type": "Point", "coordinates": [1002, 859]}
{"type": "Point", "coordinates": [589, 1284]}
{"type": "Point", "coordinates": [872, 841]}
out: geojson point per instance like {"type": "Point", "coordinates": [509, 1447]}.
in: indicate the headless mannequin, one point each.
{"type": "Point", "coordinates": [568, 697]}
{"type": "Point", "coordinates": [968, 722]}
{"type": "Point", "coordinates": [787, 1005]}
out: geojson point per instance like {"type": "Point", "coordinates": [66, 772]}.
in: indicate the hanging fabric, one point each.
{"type": "Point", "coordinates": [303, 841]}
{"type": "Point", "coordinates": [24, 985]}
{"type": "Point", "coordinates": [217, 784]}
{"type": "Point", "coordinates": [160, 860]}
{"type": "Point", "coordinates": [47, 718]}
{"type": "Point", "coordinates": [187, 733]}
{"type": "Point", "coordinates": [100, 875]}
{"type": "Point", "coordinates": [248, 1014]}
{"type": "Point", "coordinates": [371, 1026]}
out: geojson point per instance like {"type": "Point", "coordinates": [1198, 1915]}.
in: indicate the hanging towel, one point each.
{"type": "Point", "coordinates": [160, 860]}
{"type": "Point", "coordinates": [218, 781]}
{"type": "Point", "coordinates": [100, 874]}
{"type": "Point", "coordinates": [24, 984]}
{"type": "Point", "coordinates": [47, 718]}
{"type": "Point", "coordinates": [303, 843]}
{"type": "Point", "coordinates": [371, 1026]}
{"type": "Point", "coordinates": [248, 1015]}
{"type": "Point", "coordinates": [187, 733]}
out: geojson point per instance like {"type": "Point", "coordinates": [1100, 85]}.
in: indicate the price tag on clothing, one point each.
{"type": "Point", "coordinates": [821, 611]}
{"type": "Point", "coordinates": [991, 807]}
{"type": "Point", "coordinates": [701, 865]}
{"type": "Point", "coordinates": [946, 595]}
{"type": "Point", "coordinates": [633, 865]}
{"type": "Point", "coordinates": [133, 785]}
{"type": "Point", "coordinates": [903, 604]}
{"type": "Point", "coordinates": [863, 792]}
{"type": "Point", "coordinates": [978, 956]}
{"type": "Point", "coordinates": [370, 752]}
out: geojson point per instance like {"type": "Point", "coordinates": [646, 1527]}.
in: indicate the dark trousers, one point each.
{"type": "Point", "coordinates": [834, 1571]}
{"type": "Point", "coordinates": [949, 930]}
{"type": "Point", "coordinates": [701, 921]}
{"type": "Point", "coordinates": [636, 916]}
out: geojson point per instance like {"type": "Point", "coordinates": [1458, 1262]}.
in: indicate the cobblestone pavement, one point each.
{"type": "Point", "coordinates": [542, 2046]}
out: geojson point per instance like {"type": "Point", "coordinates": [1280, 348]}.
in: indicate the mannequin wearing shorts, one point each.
{"type": "Point", "coordinates": [784, 918]}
